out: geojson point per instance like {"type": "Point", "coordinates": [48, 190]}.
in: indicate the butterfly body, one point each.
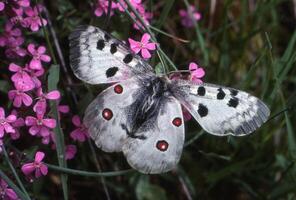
{"type": "Point", "coordinates": [149, 100]}
{"type": "Point", "coordinates": [141, 114]}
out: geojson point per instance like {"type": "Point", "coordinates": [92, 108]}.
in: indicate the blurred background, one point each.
{"type": "Point", "coordinates": [248, 44]}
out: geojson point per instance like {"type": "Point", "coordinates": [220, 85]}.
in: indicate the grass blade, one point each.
{"type": "Point", "coordinates": [19, 193]}
{"type": "Point", "coordinates": [14, 173]}
{"type": "Point", "coordinates": [53, 79]}
{"type": "Point", "coordinates": [86, 173]}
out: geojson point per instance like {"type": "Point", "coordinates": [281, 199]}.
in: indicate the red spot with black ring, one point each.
{"type": "Point", "coordinates": [107, 114]}
{"type": "Point", "coordinates": [162, 145]}
{"type": "Point", "coordinates": [177, 121]}
{"type": "Point", "coordinates": [118, 89]}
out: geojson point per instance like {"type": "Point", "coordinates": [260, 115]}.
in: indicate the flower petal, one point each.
{"type": "Point", "coordinates": [43, 169]}
{"type": "Point", "coordinates": [145, 38]}
{"type": "Point", "coordinates": [27, 100]}
{"type": "Point", "coordinates": [8, 128]}
{"type": "Point", "coordinates": [50, 123]}
{"type": "Point", "coordinates": [53, 95]}
{"type": "Point", "coordinates": [63, 108]}
{"type": "Point", "coordinates": [193, 66]}
{"type": "Point", "coordinates": [11, 118]}
{"type": "Point", "coordinates": [41, 49]}
{"type": "Point", "coordinates": [14, 68]}
{"type": "Point", "coordinates": [35, 64]}
{"type": "Point", "coordinates": [45, 58]}
{"type": "Point", "coordinates": [198, 73]}
{"type": "Point", "coordinates": [30, 121]}
{"type": "Point", "coordinates": [34, 130]}
{"type": "Point", "coordinates": [151, 46]}
{"type": "Point", "coordinates": [70, 151]}
{"type": "Point", "coordinates": [145, 53]}
{"type": "Point", "coordinates": [76, 120]}
{"type": "Point", "coordinates": [28, 168]}
{"type": "Point", "coordinates": [39, 156]}
{"type": "Point", "coordinates": [77, 134]}
{"type": "Point", "coordinates": [31, 49]}
{"type": "Point", "coordinates": [44, 132]}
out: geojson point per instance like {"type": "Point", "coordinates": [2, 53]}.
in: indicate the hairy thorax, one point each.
{"type": "Point", "coordinates": [150, 99]}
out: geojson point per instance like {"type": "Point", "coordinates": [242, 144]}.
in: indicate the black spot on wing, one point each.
{"type": "Point", "coordinates": [201, 91]}
{"type": "Point", "coordinates": [128, 58]}
{"type": "Point", "coordinates": [202, 110]}
{"type": "Point", "coordinates": [221, 94]}
{"type": "Point", "coordinates": [233, 102]}
{"type": "Point", "coordinates": [113, 48]}
{"type": "Point", "coordinates": [100, 44]}
{"type": "Point", "coordinates": [233, 92]}
{"type": "Point", "coordinates": [111, 71]}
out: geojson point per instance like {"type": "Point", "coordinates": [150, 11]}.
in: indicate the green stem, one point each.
{"type": "Point", "coordinates": [198, 34]}
{"type": "Point", "coordinates": [14, 173]}
{"type": "Point", "coordinates": [58, 131]}
{"type": "Point", "coordinates": [86, 173]}
{"type": "Point", "coordinates": [9, 182]}
{"type": "Point", "coordinates": [46, 36]}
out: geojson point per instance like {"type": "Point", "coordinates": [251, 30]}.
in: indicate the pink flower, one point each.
{"type": "Point", "coordinates": [102, 7]}
{"type": "Point", "coordinates": [39, 125]}
{"type": "Point", "coordinates": [6, 193]}
{"type": "Point", "coordinates": [38, 56]}
{"type": "Point", "coordinates": [39, 167]}
{"type": "Point", "coordinates": [40, 106]}
{"type": "Point", "coordinates": [70, 151]}
{"type": "Point", "coordinates": [5, 123]}
{"type": "Point", "coordinates": [186, 20]}
{"type": "Point", "coordinates": [135, 3]}
{"type": "Point", "coordinates": [19, 122]}
{"type": "Point", "coordinates": [33, 20]}
{"type": "Point", "coordinates": [21, 78]}
{"type": "Point", "coordinates": [19, 97]}
{"type": "Point", "coordinates": [64, 109]}
{"type": "Point", "coordinates": [2, 6]}
{"type": "Point", "coordinates": [196, 72]}
{"type": "Point", "coordinates": [47, 139]}
{"type": "Point", "coordinates": [144, 46]}
{"type": "Point", "coordinates": [9, 32]}
{"type": "Point", "coordinates": [22, 3]}
{"type": "Point", "coordinates": [13, 47]}
{"type": "Point", "coordinates": [80, 133]}
{"type": "Point", "coordinates": [34, 75]}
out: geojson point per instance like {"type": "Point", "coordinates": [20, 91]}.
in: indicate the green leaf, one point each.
{"type": "Point", "coordinates": [53, 79]}
{"type": "Point", "coordinates": [282, 190]}
{"type": "Point", "coordinates": [147, 191]}
{"type": "Point", "coordinates": [159, 69]}
{"type": "Point", "coordinates": [4, 86]}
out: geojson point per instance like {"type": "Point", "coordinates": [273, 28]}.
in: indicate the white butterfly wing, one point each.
{"type": "Point", "coordinates": [104, 116]}
{"type": "Point", "coordinates": [221, 110]}
{"type": "Point", "coordinates": [161, 149]}
{"type": "Point", "coordinates": [97, 57]}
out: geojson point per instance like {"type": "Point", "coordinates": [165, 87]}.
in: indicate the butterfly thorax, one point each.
{"type": "Point", "coordinates": [143, 113]}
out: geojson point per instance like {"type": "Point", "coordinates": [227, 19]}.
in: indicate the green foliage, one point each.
{"type": "Point", "coordinates": [249, 45]}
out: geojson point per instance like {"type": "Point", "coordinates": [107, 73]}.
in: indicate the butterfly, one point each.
{"type": "Point", "coordinates": [140, 114]}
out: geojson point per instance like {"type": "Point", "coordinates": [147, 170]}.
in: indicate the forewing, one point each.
{"type": "Point", "coordinates": [104, 116]}
{"type": "Point", "coordinates": [222, 110]}
{"type": "Point", "coordinates": [160, 147]}
{"type": "Point", "coordinates": [97, 57]}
